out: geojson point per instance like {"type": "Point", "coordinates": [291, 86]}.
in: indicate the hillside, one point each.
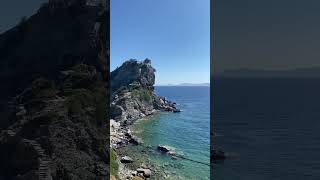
{"type": "Point", "coordinates": [54, 69]}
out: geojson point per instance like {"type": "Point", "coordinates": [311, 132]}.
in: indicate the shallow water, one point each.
{"type": "Point", "coordinates": [187, 131]}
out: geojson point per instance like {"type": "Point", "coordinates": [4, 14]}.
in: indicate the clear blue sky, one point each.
{"type": "Point", "coordinates": [174, 34]}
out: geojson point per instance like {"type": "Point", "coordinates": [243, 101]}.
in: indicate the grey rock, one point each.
{"type": "Point", "coordinates": [146, 172]}
{"type": "Point", "coordinates": [172, 152]}
{"type": "Point", "coordinates": [116, 111]}
{"type": "Point", "coordinates": [165, 148]}
{"type": "Point", "coordinates": [133, 71]}
{"type": "Point", "coordinates": [135, 140]}
{"type": "Point", "coordinates": [21, 112]}
{"type": "Point", "coordinates": [126, 159]}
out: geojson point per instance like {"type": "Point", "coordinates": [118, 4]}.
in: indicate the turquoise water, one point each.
{"type": "Point", "coordinates": [187, 131]}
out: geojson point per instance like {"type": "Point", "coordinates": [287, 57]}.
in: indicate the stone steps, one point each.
{"type": "Point", "coordinates": [11, 104]}
{"type": "Point", "coordinates": [44, 160]}
{"type": "Point", "coordinates": [11, 133]}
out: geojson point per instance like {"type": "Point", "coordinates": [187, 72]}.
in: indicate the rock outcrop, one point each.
{"type": "Point", "coordinates": [167, 149]}
{"type": "Point", "coordinates": [133, 71]}
{"type": "Point", "coordinates": [133, 95]}
{"type": "Point", "coordinates": [144, 172]}
{"type": "Point", "coordinates": [54, 69]}
{"type": "Point", "coordinates": [126, 159]}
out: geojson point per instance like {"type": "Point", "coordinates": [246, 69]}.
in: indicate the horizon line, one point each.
{"type": "Point", "coordinates": [184, 84]}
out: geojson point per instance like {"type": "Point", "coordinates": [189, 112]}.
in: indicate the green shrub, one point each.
{"type": "Point", "coordinates": [101, 104]}
{"type": "Point", "coordinates": [81, 68]}
{"type": "Point", "coordinates": [42, 88]}
{"type": "Point", "coordinates": [79, 99]}
{"type": "Point", "coordinates": [74, 105]}
{"type": "Point", "coordinates": [46, 93]}
{"type": "Point", "coordinates": [142, 94]}
{"type": "Point", "coordinates": [134, 85]}
{"type": "Point", "coordinates": [114, 166]}
{"type": "Point", "coordinates": [122, 90]}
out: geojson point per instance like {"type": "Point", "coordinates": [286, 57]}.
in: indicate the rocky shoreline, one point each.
{"type": "Point", "coordinates": [132, 165]}
{"type": "Point", "coordinates": [134, 98]}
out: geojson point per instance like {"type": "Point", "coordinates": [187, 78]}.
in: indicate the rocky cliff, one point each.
{"type": "Point", "coordinates": [52, 40]}
{"type": "Point", "coordinates": [133, 71]}
{"type": "Point", "coordinates": [133, 95]}
{"type": "Point", "coordinates": [55, 105]}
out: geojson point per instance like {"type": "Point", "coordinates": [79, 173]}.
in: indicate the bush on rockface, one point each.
{"type": "Point", "coordinates": [101, 100]}
{"type": "Point", "coordinates": [82, 76]}
{"type": "Point", "coordinates": [42, 88]}
{"type": "Point", "coordinates": [79, 99]}
{"type": "Point", "coordinates": [135, 85]}
{"type": "Point", "coordinates": [142, 94]}
{"type": "Point", "coordinates": [114, 167]}
{"type": "Point", "coordinates": [122, 90]}
{"type": "Point", "coordinates": [87, 93]}
{"type": "Point", "coordinates": [40, 83]}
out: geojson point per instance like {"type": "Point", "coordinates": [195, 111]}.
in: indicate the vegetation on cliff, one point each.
{"type": "Point", "coordinates": [55, 70]}
{"type": "Point", "coordinates": [66, 126]}
{"type": "Point", "coordinates": [114, 166]}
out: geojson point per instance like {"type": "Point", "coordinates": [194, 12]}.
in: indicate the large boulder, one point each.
{"type": "Point", "coordinates": [146, 172]}
{"type": "Point", "coordinates": [126, 159]}
{"type": "Point", "coordinates": [165, 148]}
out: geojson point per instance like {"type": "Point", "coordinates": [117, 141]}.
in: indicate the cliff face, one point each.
{"type": "Point", "coordinates": [133, 71]}
{"type": "Point", "coordinates": [52, 40]}
{"type": "Point", "coordinates": [54, 69]}
{"type": "Point", "coordinates": [133, 95]}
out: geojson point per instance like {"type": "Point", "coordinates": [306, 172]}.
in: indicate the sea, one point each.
{"type": "Point", "coordinates": [269, 127]}
{"type": "Point", "coordinates": [188, 132]}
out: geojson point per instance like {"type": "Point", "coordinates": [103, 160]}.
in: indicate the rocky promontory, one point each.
{"type": "Point", "coordinates": [133, 97]}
